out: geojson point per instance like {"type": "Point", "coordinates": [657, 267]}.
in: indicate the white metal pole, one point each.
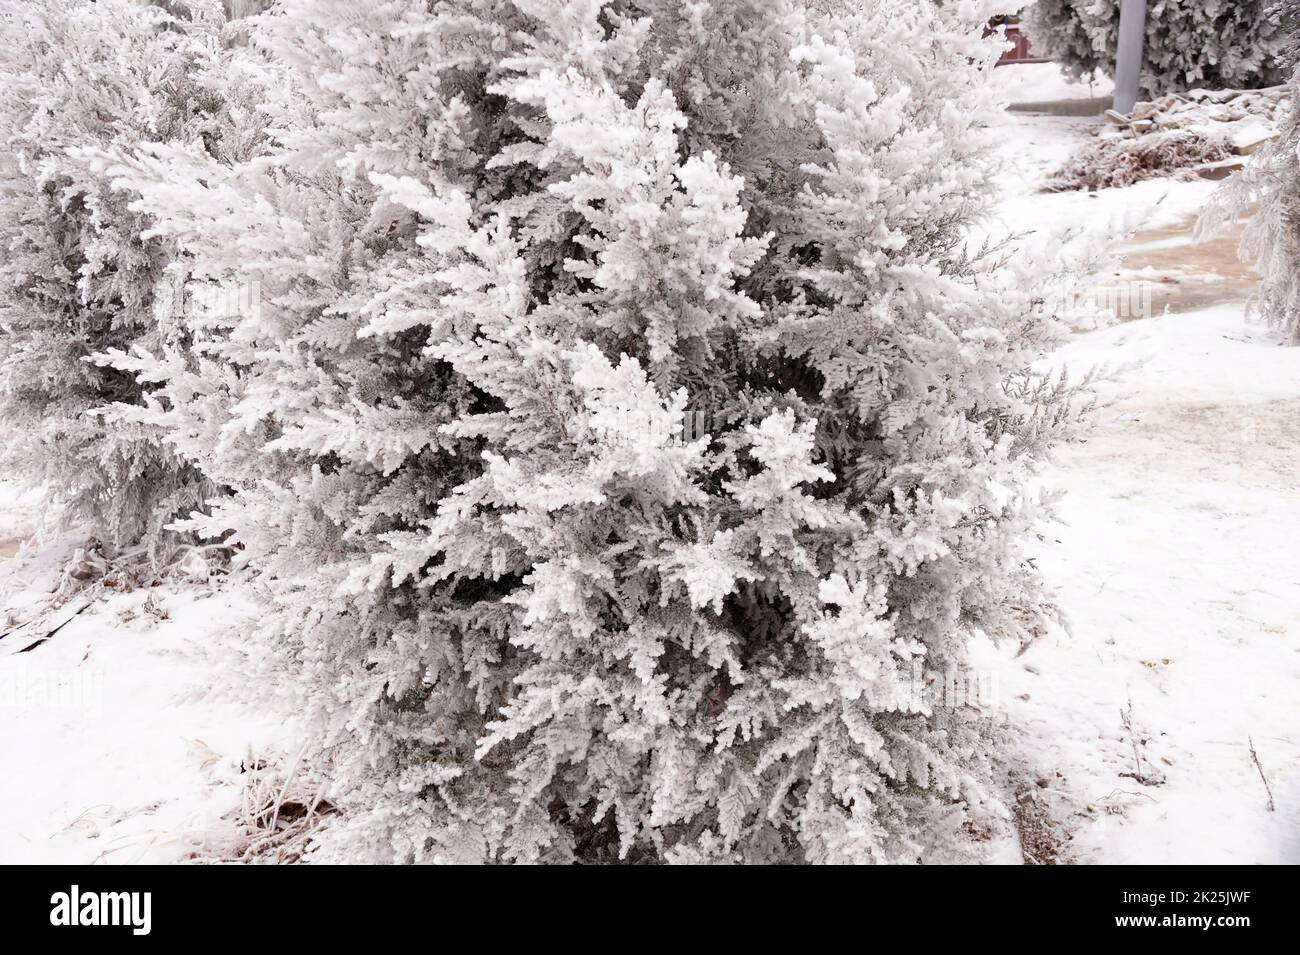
{"type": "Point", "coordinates": [1128, 61]}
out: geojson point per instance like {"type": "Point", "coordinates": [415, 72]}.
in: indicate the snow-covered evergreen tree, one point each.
{"type": "Point", "coordinates": [76, 274]}
{"type": "Point", "coordinates": [622, 422]}
{"type": "Point", "coordinates": [1189, 43]}
{"type": "Point", "coordinates": [1268, 190]}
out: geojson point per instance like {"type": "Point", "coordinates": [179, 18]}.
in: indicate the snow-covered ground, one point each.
{"type": "Point", "coordinates": [1044, 83]}
{"type": "Point", "coordinates": [1175, 563]}
{"type": "Point", "coordinates": [114, 749]}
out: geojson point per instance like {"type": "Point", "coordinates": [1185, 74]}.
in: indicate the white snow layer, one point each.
{"type": "Point", "coordinates": [114, 748]}
{"type": "Point", "coordinates": [1176, 566]}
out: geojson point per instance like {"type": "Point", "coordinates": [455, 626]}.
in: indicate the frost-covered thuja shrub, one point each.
{"type": "Point", "coordinates": [503, 251]}
{"type": "Point", "coordinates": [1189, 43]}
{"type": "Point", "coordinates": [1268, 189]}
{"type": "Point", "coordinates": [76, 274]}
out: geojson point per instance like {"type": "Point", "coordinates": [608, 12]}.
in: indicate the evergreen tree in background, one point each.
{"type": "Point", "coordinates": [622, 423]}
{"type": "Point", "coordinates": [1268, 190]}
{"type": "Point", "coordinates": [1214, 44]}
{"type": "Point", "coordinates": [77, 273]}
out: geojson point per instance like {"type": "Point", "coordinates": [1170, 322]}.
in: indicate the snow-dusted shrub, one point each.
{"type": "Point", "coordinates": [623, 425]}
{"type": "Point", "coordinates": [1189, 43]}
{"type": "Point", "coordinates": [1116, 161]}
{"type": "Point", "coordinates": [1269, 190]}
{"type": "Point", "coordinates": [76, 274]}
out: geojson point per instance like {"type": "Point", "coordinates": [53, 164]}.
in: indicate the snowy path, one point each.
{"type": "Point", "coordinates": [1177, 561]}
{"type": "Point", "coordinates": [1177, 566]}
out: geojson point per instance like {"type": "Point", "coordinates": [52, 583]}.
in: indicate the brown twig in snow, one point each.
{"type": "Point", "coordinates": [1267, 788]}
